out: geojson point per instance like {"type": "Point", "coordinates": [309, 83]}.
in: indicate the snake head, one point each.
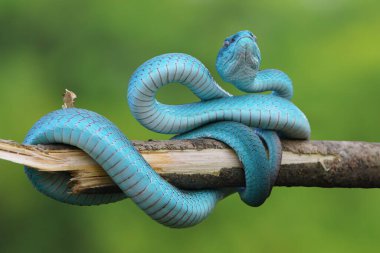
{"type": "Point", "coordinates": [239, 58]}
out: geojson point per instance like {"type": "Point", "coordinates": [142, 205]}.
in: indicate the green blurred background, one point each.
{"type": "Point", "coordinates": [329, 48]}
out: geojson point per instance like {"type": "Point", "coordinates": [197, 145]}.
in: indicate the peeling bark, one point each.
{"type": "Point", "coordinates": [206, 163]}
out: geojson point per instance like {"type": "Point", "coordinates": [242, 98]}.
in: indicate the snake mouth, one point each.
{"type": "Point", "coordinates": [243, 50]}
{"type": "Point", "coordinates": [249, 58]}
{"type": "Point", "coordinates": [244, 58]}
{"type": "Point", "coordinates": [239, 58]}
{"type": "Point", "coordinates": [247, 52]}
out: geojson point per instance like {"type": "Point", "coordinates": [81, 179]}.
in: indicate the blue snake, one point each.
{"type": "Point", "coordinates": [250, 124]}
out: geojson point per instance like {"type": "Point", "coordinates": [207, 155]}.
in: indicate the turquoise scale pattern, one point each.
{"type": "Point", "coordinates": [249, 124]}
{"type": "Point", "coordinates": [105, 143]}
{"type": "Point", "coordinates": [262, 111]}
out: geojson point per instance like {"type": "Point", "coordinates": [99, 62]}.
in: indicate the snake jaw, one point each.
{"type": "Point", "coordinates": [251, 54]}
{"type": "Point", "coordinates": [239, 59]}
{"type": "Point", "coordinates": [247, 57]}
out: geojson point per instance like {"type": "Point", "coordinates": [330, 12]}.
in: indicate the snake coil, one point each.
{"type": "Point", "coordinates": [249, 124]}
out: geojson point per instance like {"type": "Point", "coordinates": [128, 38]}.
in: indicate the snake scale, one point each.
{"type": "Point", "coordinates": [250, 124]}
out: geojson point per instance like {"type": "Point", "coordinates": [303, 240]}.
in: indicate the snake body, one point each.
{"type": "Point", "coordinates": [218, 115]}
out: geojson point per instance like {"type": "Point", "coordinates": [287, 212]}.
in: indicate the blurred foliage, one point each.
{"type": "Point", "coordinates": [329, 48]}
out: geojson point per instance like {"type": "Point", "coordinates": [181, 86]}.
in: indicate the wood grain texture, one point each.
{"type": "Point", "coordinates": [206, 163]}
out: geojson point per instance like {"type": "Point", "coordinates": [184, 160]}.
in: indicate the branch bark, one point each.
{"type": "Point", "coordinates": [206, 163]}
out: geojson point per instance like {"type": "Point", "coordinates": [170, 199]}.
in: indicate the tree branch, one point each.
{"type": "Point", "coordinates": [206, 163]}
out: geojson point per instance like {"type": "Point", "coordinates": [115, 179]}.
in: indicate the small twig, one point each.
{"type": "Point", "coordinates": [205, 163]}
{"type": "Point", "coordinates": [68, 99]}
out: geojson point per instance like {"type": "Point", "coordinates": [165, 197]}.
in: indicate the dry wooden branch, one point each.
{"type": "Point", "coordinates": [205, 163]}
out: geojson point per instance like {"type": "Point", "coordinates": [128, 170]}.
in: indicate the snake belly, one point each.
{"type": "Point", "coordinates": [219, 115]}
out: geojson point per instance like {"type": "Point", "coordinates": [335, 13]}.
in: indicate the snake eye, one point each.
{"type": "Point", "coordinates": [232, 40]}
